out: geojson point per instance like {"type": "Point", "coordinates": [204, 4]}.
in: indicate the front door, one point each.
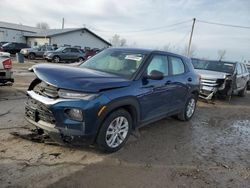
{"type": "Point", "coordinates": [239, 77]}
{"type": "Point", "coordinates": [155, 95]}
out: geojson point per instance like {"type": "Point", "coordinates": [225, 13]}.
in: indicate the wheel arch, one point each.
{"type": "Point", "coordinates": [130, 104]}
{"type": "Point", "coordinates": [196, 93]}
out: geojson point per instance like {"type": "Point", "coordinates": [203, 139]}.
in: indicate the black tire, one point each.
{"type": "Point", "coordinates": [32, 56]}
{"type": "Point", "coordinates": [183, 114]}
{"type": "Point", "coordinates": [81, 59]}
{"type": "Point", "coordinates": [101, 138]}
{"type": "Point", "coordinates": [248, 85]}
{"type": "Point", "coordinates": [242, 93]}
{"type": "Point", "coordinates": [56, 59]}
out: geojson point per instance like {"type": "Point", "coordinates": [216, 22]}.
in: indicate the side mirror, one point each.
{"type": "Point", "coordinates": [155, 75]}
{"type": "Point", "coordinates": [63, 51]}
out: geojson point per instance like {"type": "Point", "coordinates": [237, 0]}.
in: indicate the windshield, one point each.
{"type": "Point", "coordinates": [116, 61]}
{"type": "Point", "coordinates": [218, 66]}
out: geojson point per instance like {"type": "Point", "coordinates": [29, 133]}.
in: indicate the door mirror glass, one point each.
{"type": "Point", "coordinates": [155, 75]}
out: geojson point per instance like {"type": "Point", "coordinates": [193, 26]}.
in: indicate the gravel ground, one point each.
{"type": "Point", "coordinates": [211, 150]}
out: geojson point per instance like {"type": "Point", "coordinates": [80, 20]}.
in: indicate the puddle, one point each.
{"type": "Point", "coordinates": [242, 125]}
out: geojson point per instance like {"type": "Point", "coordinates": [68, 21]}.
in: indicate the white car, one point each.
{"type": "Point", "coordinates": [6, 74]}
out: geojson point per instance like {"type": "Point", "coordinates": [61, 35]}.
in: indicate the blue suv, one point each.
{"type": "Point", "coordinates": [110, 95]}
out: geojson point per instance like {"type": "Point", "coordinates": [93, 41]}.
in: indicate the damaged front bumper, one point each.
{"type": "Point", "coordinates": [48, 115]}
{"type": "Point", "coordinates": [210, 88]}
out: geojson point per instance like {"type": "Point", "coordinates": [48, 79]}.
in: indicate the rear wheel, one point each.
{"type": "Point", "coordinates": [115, 131]}
{"type": "Point", "coordinates": [189, 109]}
{"type": "Point", "coordinates": [80, 59]}
{"type": "Point", "coordinates": [243, 92]}
{"type": "Point", "coordinates": [56, 59]}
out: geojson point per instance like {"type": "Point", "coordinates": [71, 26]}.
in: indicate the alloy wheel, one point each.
{"type": "Point", "coordinates": [117, 132]}
{"type": "Point", "coordinates": [190, 107]}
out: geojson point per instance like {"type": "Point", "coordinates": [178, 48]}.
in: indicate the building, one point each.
{"type": "Point", "coordinates": [33, 36]}
{"type": "Point", "coordinates": [10, 32]}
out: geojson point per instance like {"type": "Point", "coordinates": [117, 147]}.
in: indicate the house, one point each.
{"type": "Point", "coordinates": [33, 36]}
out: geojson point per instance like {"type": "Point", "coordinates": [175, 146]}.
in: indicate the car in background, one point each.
{"type": "Point", "coordinates": [221, 78]}
{"type": "Point", "coordinates": [2, 43]}
{"type": "Point", "coordinates": [91, 52]}
{"type": "Point", "coordinates": [248, 68]}
{"type": "Point", "coordinates": [65, 54]}
{"type": "Point", "coordinates": [5, 69]}
{"type": "Point", "coordinates": [37, 51]}
{"type": "Point", "coordinates": [103, 99]}
{"type": "Point", "coordinates": [13, 47]}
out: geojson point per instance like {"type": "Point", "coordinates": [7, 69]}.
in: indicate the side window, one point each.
{"type": "Point", "coordinates": [66, 50]}
{"type": "Point", "coordinates": [74, 50]}
{"type": "Point", "coordinates": [239, 69]}
{"type": "Point", "coordinates": [177, 65]}
{"type": "Point", "coordinates": [159, 63]}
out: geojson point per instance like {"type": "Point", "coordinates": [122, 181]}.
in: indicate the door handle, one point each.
{"type": "Point", "coordinates": [168, 82]}
{"type": "Point", "coordinates": [190, 79]}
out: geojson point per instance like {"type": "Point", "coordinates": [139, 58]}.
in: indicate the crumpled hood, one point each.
{"type": "Point", "coordinates": [78, 79]}
{"type": "Point", "coordinates": [211, 74]}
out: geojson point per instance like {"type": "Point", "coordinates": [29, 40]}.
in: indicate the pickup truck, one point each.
{"type": "Point", "coordinates": [5, 69]}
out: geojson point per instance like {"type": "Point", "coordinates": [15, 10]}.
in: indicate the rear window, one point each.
{"type": "Point", "coordinates": [177, 65]}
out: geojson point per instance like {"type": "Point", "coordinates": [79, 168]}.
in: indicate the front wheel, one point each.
{"type": "Point", "coordinates": [56, 59]}
{"type": "Point", "coordinates": [189, 109]}
{"type": "Point", "coordinates": [115, 131]}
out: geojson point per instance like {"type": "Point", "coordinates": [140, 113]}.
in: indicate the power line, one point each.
{"type": "Point", "coordinates": [222, 24]}
{"type": "Point", "coordinates": [143, 30]}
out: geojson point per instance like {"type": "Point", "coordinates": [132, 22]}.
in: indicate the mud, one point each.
{"type": "Point", "coordinates": [211, 150]}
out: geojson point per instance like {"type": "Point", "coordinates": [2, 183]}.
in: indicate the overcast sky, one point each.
{"type": "Point", "coordinates": [143, 23]}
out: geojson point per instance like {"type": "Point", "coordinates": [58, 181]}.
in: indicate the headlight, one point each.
{"type": "Point", "coordinates": [76, 95]}
{"type": "Point", "coordinates": [49, 54]}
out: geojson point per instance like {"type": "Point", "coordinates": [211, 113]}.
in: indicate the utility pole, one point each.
{"type": "Point", "coordinates": [191, 36]}
{"type": "Point", "coordinates": [63, 23]}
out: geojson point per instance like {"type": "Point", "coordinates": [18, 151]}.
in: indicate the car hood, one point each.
{"type": "Point", "coordinates": [212, 74]}
{"type": "Point", "coordinates": [78, 79]}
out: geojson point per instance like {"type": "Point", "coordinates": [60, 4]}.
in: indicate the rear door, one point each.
{"type": "Point", "coordinates": [178, 81]}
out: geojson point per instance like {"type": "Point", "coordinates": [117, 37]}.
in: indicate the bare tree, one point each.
{"type": "Point", "coordinates": [117, 41]}
{"type": "Point", "coordinates": [42, 25]}
{"type": "Point", "coordinates": [221, 54]}
{"type": "Point", "coordinates": [192, 51]}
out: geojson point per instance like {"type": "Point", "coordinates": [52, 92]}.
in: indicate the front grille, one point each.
{"type": "Point", "coordinates": [209, 82]}
{"type": "Point", "coordinates": [36, 111]}
{"type": "Point", "coordinates": [46, 90]}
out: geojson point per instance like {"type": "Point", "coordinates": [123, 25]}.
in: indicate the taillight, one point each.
{"type": "Point", "coordinates": [7, 64]}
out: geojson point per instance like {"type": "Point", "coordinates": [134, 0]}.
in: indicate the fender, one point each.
{"type": "Point", "coordinates": [130, 103]}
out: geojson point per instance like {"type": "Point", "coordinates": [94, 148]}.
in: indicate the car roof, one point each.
{"type": "Point", "coordinates": [233, 62]}
{"type": "Point", "coordinates": [148, 51]}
